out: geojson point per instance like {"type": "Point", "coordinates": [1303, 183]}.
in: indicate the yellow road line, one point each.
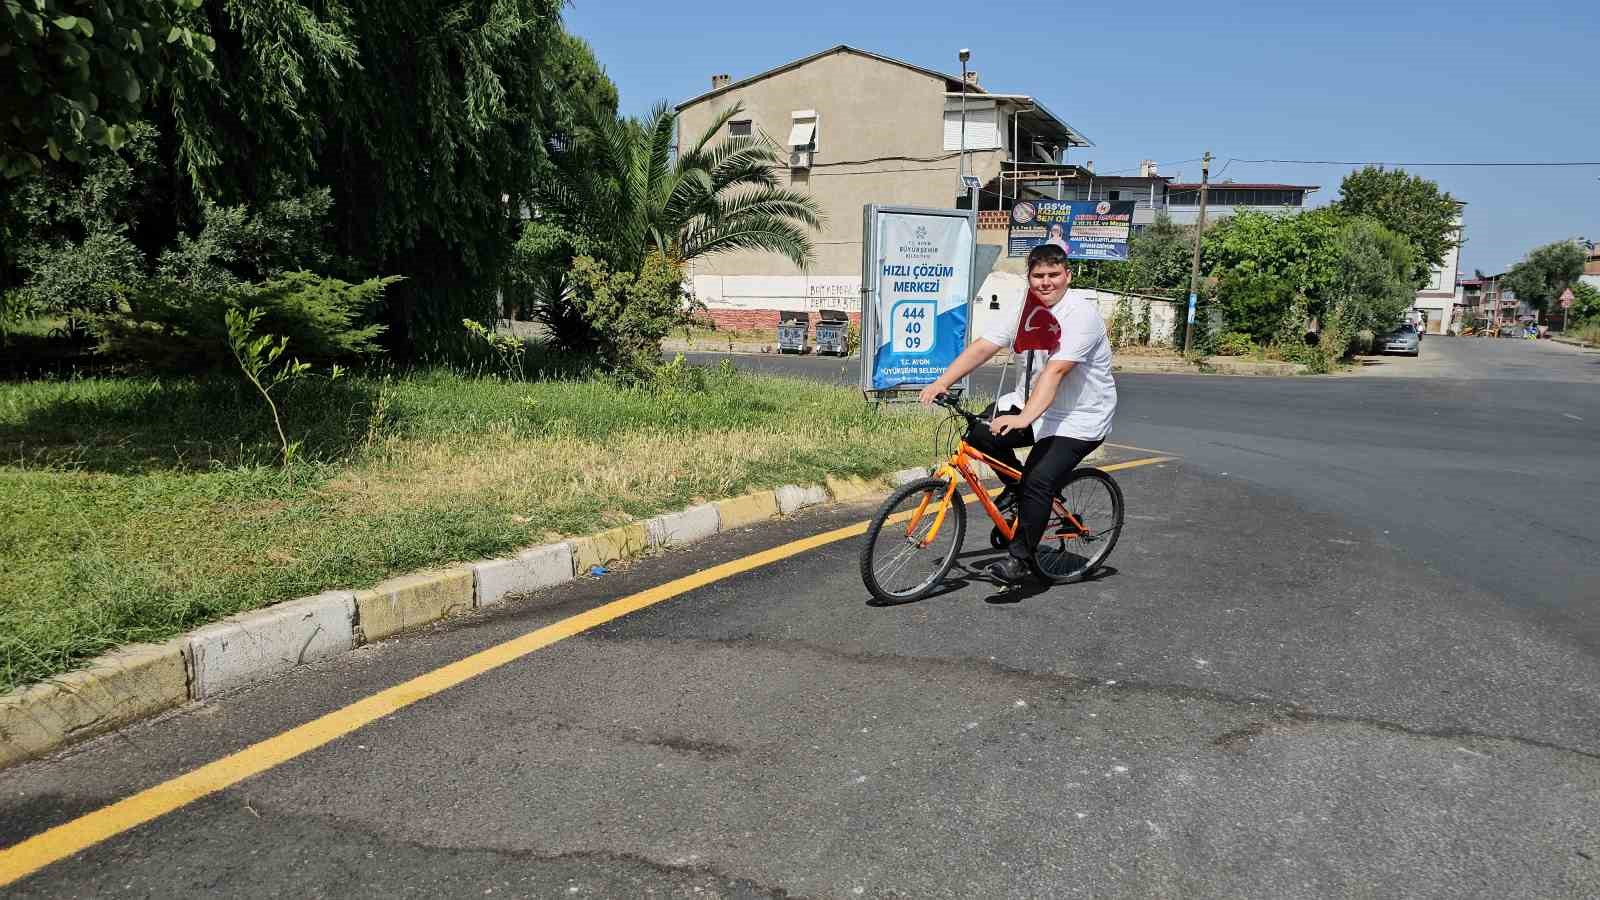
{"type": "Point", "coordinates": [1136, 449]}
{"type": "Point", "coordinates": [29, 856]}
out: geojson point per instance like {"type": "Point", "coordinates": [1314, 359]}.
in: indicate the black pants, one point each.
{"type": "Point", "coordinates": [1047, 469]}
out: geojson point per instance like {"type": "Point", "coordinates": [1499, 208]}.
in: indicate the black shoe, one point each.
{"type": "Point", "coordinates": [1011, 570]}
{"type": "Point", "coordinates": [1006, 499]}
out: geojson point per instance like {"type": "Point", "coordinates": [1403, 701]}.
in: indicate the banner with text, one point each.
{"type": "Point", "coordinates": [1086, 229]}
{"type": "Point", "coordinates": [921, 289]}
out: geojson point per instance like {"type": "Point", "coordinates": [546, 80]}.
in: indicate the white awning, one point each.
{"type": "Point", "coordinates": [802, 134]}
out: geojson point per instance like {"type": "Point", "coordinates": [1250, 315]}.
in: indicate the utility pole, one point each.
{"type": "Point", "coordinates": [1194, 263]}
{"type": "Point", "coordinates": [972, 195]}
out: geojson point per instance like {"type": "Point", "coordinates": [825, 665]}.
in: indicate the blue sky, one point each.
{"type": "Point", "coordinates": [1360, 81]}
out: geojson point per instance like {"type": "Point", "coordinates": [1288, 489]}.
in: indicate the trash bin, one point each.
{"type": "Point", "coordinates": [833, 327]}
{"type": "Point", "coordinates": [792, 329]}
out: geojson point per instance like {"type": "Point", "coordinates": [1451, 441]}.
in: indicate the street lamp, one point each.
{"type": "Point", "coordinates": [972, 199]}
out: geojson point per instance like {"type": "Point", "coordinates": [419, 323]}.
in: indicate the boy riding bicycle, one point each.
{"type": "Point", "coordinates": [1063, 403]}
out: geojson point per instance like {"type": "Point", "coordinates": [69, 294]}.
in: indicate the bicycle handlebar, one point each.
{"type": "Point", "coordinates": [954, 405]}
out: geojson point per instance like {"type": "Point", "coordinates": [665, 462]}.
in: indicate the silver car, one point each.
{"type": "Point", "coordinates": [1401, 340]}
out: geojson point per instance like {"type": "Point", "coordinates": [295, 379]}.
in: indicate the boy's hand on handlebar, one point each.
{"type": "Point", "coordinates": [1004, 424]}
{"type": "Point", "coordinates": [931, 393]}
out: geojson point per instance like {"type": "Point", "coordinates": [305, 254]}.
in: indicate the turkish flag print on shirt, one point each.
{"type": "Point", "coordinates": [1038, 329]}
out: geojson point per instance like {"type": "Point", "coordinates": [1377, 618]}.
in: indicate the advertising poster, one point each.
{"type": "Point", "coordinates": [1086, 229]}
{"type": "Point", "coordinates": [922, 283]}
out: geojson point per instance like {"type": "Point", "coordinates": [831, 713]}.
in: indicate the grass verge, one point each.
{"type": "Point", "coordinates": [134, 509]}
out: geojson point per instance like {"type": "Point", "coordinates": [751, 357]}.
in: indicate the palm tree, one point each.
{"type": "Point", "coordinates": [617, 193]}
{"type": "Point", "coordinates": [625, 191]}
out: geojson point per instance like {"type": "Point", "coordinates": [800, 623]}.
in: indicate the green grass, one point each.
{"type": "Point", "coordinates": [1588, 332]}
{"type": "Point", "coordinates": [134, 509]}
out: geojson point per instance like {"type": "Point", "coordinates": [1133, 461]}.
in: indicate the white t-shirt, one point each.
{"type": "Point", "coordinates": [1086, 398]}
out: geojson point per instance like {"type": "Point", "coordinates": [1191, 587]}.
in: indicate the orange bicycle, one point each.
{"type": "Point", "coordinates": [914, 538]}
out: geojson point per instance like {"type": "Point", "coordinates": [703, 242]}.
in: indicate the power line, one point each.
{"type": "Point", "coordinates": [1331, 162]}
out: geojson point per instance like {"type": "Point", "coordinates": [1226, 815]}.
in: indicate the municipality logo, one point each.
{"type": "Point", "coordinates": [922, 232]}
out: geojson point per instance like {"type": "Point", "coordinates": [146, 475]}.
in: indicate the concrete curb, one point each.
{"type": "Point", "coordinates": [254, 646]}
{"type": "Point", "coordinates": [531, 570]}
{"type": "Point", "coordinates": [140, 681]}
{"type": "Point", "coordinates": [117, 689]}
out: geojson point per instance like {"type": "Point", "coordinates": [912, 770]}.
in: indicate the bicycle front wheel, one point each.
{"type": "Point", "coordinates": [910, 547]}
{"type": "Point", "coordinates": [1085, 521]}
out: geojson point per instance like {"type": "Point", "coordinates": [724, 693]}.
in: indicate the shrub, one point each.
{"type": "Point", "coordinates": [15, 310]}
{"type": "Point", "coordinates": [1254, 304]}
{"type": "Point", "coordinates": [82, 277]}
{"type": "Point", "coordinates": [168, 325]}
{"type": "Point", "coordinates": [631, 312]}
{"type": "Point", "coordinates": [238, 244]}
{"type": "Point", "coordinates": [1235, 343]}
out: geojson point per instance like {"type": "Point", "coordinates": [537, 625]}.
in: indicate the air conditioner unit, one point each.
{"type": "Point", "coordinates": [799, 159]}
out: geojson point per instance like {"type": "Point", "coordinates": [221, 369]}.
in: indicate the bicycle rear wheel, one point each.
{"type": "Point", "coordinates": [1085, 522]}
{"type": "Point", "coordinates": [904, 559]}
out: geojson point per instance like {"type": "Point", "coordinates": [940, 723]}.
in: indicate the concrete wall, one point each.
{"type": "Point", "coordinates": [868, 113]}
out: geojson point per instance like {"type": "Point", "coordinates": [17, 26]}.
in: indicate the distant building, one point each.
{"type": "Point", "coordinates": [1224, 198]}
{"type": "Point", "coordinates": [1591, 268]}
{"type": "Point", "coordinates": [857, 128]}
{"type": "Point", "coordinates": [1436, 301]}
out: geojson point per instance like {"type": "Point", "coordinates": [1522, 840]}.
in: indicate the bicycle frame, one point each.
{"type": "Point", "coordinates": [958, 466]}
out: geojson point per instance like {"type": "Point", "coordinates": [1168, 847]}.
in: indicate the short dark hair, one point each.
{"type": "Point", "coordinates": [1048, 255]}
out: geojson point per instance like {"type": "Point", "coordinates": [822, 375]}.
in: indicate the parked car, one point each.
{"type": "Point", "coordinates": [1403, 339]}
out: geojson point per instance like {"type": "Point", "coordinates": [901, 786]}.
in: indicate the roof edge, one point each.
{"type": "Point", "coordinates": [795, 64]}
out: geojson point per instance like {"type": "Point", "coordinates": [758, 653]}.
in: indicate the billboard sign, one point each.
{"type": "Point", "coordinates": [917, 267]}
{"type": "Point", "coordinates": [1086, 229]}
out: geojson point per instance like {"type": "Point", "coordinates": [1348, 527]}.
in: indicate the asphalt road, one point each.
{"type": "Point", "coordinates": [1347, 647]}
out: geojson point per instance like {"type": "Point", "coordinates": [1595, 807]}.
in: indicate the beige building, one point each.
{"type": "Point", "coordinates": [859, 128]}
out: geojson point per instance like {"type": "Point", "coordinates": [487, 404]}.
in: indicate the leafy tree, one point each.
{"type": "Point", "coordinates": [1160, 254]}
{"type": "Point", "coordinates": [1545, 272]}
{"type": "Point", "coordinates": [1585, 302]}
{"type": "Point", "coordinates": [1298, 249]}
{"type": "Point", "coordinates": [257, 117]}
{"type": "Point", "coordinates": [577, 85]}
{"type": "Point", "coordinates": [1254, 303]}
{"type": "Point", "coordinates": [1158, 262]}
{"type": "Point", "coordinates": [1373, 288]}
{"type": "Point", "coordinates": [434, 149]}
{"type": "Point", "coordinates": [77, 75]}
{"type": "Point", "coordinates": [1408, 205]}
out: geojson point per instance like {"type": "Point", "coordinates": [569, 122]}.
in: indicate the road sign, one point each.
{"type": "Point", "coordinates": [1566, 299]}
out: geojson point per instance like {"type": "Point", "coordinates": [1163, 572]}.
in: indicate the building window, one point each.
{"type": "Point", "coordinates": [739, 128]}
{"type": "Point", "coordinates": [803, 133]}
{"type": "Point", "coordinates": [1115, 195]}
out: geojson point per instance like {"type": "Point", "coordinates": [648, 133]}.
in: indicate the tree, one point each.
{"type": "Point", "coordinates": [1373, 288]}
{"type": "Point", "coordinates": [77, 74]}
{"type": "Point", "coordinates": [434, 149]}
{"type": "Point", "coordinates": [634, 197]}
{"type": "Point", "coordinates": [251, 124]}
{"type": "Point", "coordinates": [1297, 249]}
{"type": "Point", "coordinates": [1254, 304]}
{"type": "Point", "coordinates": [630, 198]}
{"type": "Point", "coordinates": [1408, 205]}
{"type": "Point", "coordinates": [1545, 272]}
{"type": "Point", "coordinates": [1585, 302]}
{"type": "Point", "coordinates": [1157, 263]}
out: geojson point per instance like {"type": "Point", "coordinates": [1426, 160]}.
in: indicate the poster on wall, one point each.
{"type": "Point", "coordinates": [917, 269]}
{"type": "Point", "coordinates": [1086, 229]}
